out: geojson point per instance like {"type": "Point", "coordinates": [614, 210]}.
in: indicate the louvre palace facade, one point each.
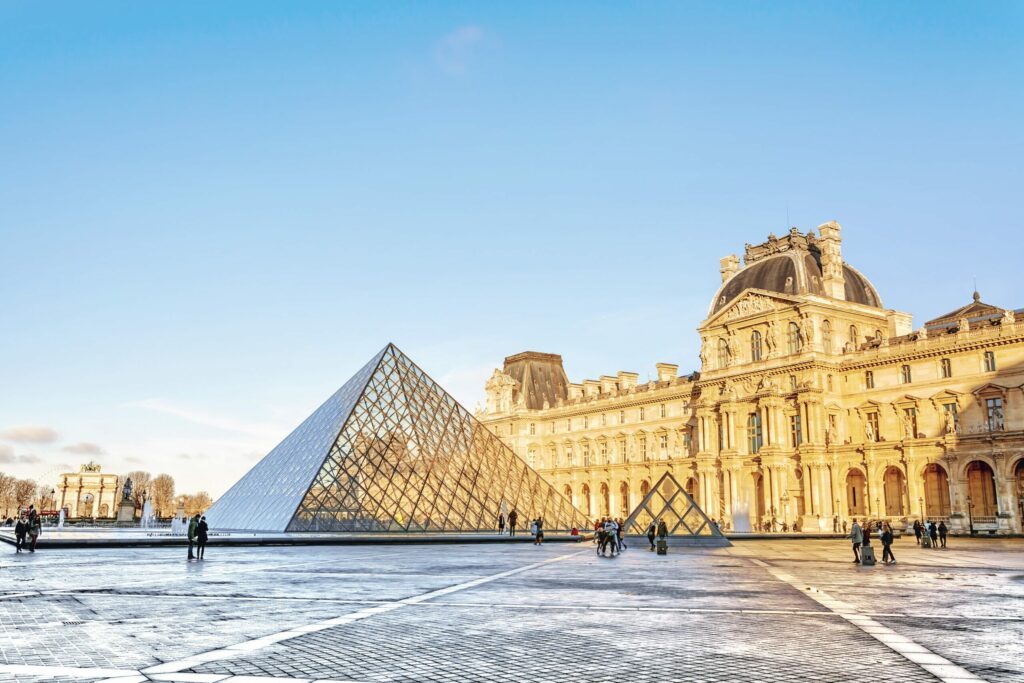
{"type": "Point", "coordinates": [813, 405]}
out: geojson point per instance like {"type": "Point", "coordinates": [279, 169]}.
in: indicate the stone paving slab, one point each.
{"type": "Point", "coordinates": [698, 614]}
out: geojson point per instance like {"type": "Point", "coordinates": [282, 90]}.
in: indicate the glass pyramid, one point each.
{"type": "Point", "coordinates": [669, 502]}
{"type": "Point", "coordinates": [390, 451]}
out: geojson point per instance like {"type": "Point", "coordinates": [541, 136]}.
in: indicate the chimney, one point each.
{"type": "Point", "coordinates": [729, 266]}
{"type": "Point", "coordinates": [666, 371]}
{"type": "Point", "coordinates": [830, 243]}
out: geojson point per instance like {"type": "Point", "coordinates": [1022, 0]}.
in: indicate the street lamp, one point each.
{"type": "Point", "coordinates": [970, 515]}
{"type": "Point", "coordinates": [53, 498]}
{"type": "Point", "coordinates": [920, 506]}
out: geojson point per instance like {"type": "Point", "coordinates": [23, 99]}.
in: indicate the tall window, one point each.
{"type": "Point", "coordinates": [641, 414]}
{"type": "Point", "coordinates": [954, 415]}
{"type": "Point", "coordinates": [869, 380]}
{"type": "Point", "coordinates": [622, 417]}
{"type": "Point", "coordinates": [755, 346]}
{"type": "Point", "coordinates": [568, 456]}
{"type": "Point", "coordinates": [826, 336]}
{"type": "Point", "coordinates": [792, 382]}
{"type": "Point", "coordinates": [828, 382]}
{"type": "Point", "coordinates": [947, 368]}
{"type": "Point", "coordinates": [604, 452]}
{"type": "Point", "coordinates": [994, 413]}
{"type": "Point", "coordinates": [990, 361]}
{"type": "Point", "coordinates": [853, 336]}
{"type": "Point", "coordinates": [622, 450]}
{"type": "Point", "coordinates": [604, 419]}
{"type": "Point", "coordinates": [754, 439]}
{"type": "Point", "coordinates": [586, 454]}
{"type": "Point", "coordinates": [794, 338]}
{"type": "Point", "coordinates": [586, 421]}
{"type": "Point", "coordinates": [533, 429]}
{"type": "Point", "coordinates": [568, 425]}
{"type": "Point", "coordinates": [663, 411]}
{"type": "Point", "coordinates": [664, 444]}
{"type": "Point", "coordinates": [905, 374]}
{"type": "Point", "coordinates": [723, 353]}
{"type": "Point", "coordinates": [872, 419]}
{"type": "Point", "coordinates": [642, 445]}
{"type": "Point", "coordinates": [531, 458]}
{"type": "Point", "coordinates": [796, 436]}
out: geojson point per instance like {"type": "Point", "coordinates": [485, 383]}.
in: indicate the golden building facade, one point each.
{"type": "Point", "coordinates": [813, 405]}
{"type": "Point", "coordinates": [88, 493]}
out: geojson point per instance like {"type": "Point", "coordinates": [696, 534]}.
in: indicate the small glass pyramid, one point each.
{"type": "Point", "coordinates": [390, 451]}
{"type": "Point", "coordinates": [669, 502]}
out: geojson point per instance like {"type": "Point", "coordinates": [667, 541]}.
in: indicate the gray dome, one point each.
{"type": "Point", "coordinates": [792, 273]}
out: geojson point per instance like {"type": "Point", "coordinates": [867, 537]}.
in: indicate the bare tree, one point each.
{"type": "Point", "coordinates": [44, 499]}
{"type": "Point", "coordinates": [197, 504]}
{"type": "Point", "coordinates": [24, 492]}
{"type": "Point", "coordinates": [7, 493]}
{"type": "Point", "coordinates": [141, 482]}
{"type": "Point", "coordinates": [163, 495]}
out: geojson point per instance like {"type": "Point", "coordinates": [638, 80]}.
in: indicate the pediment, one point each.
{"type": "Point", "coordinates": [751, 302]}
{"type": "Point", "coordinates": [991, 389]}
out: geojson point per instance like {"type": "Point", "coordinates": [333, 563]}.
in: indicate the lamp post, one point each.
{"type": "Point", "coordinates": [784, 499]}
{"type": "Point", "coordinates": [920, 506]}
{"type": "Point", "coordinates": [53, 498]}
{"type": "Point", "coordinates": [970, 515]}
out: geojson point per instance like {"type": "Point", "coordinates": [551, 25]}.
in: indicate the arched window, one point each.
{"type": "Point", "coordinates": [826, 336]}
{"type": "Point", "coordinates": [853, 336]}
{"type": "Point", "coordinates": [723, 353]}
{"type": "Point", "coordinates": [755, 346]}
{"type": "Point", "coordinates": [794, 338]}
{"type": "Point", "coordinates": [754, 437]}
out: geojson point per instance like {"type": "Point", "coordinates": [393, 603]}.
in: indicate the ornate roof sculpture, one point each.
{"type": "Point", "coordinates": [795, 264]}
{"type": "Point", "coordinates": [390, 451]}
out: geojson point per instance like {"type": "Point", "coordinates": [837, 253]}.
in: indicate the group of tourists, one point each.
{"type": "Point", "coordinates": [608, 533]}
{"type": "Point", "coordinates": [512, 518]}
{"type": "Point", "coordinates": [927, 533]}
{"type": "Point", "coordinates": [27, 530]}
{"type": "Point", "coordinates": [198, 535]}
{"type": "Point", "coordinates": [930, 534]}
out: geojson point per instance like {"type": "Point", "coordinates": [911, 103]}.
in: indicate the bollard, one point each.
{"type": "Point", "coordinates": [662, 546]}
{"type": "Point", "coordinates": [867, 555]}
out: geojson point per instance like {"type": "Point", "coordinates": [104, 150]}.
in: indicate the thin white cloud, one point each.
{"type": "Point", "coordinates": [156, 405]}
{"type": "Point", "coordinates": [30, 434]}
{"type": "Point", "coordinates": [454, 51]}
{"type": "Point", "coordinates": [84, 448]}
{"type": "Point", "coordinates": [7, 457]}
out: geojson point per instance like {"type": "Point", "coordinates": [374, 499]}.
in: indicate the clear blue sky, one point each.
{"type": "Point", "coordinates": [213, 213]}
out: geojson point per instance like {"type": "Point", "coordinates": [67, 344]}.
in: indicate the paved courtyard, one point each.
{"type": "Point", "coordinates": [758, 611]}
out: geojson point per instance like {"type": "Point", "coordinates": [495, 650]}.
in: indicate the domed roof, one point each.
{"type": "Point", "coordinates": [792, 272]}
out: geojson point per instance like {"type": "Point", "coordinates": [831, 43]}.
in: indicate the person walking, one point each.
{"type": "Point", "coordinates": [20, 532]}
{"type": "Point", "coordinates": [193, 523]}
{"type": "Point", "coordinates": [513, 517]}
{"type": "Point", "coordinates": [917, 530]}
{"type": "Point", "coordinates": [540, 531]}
{"type": "Point", "coordinates": [652, 531]}
{"type": "Point", "coordinates": [662, 530]}
{"type": "Point", "coordinates": [621, 533]}
{"type": "Point", "coordinates": [835, 524]}
{"type": "Point", "coordinates": [501, 523]}
{"type": "Point", "coordinates": [887, 539]}
{"type": "Point", "coordinates": [933, 533]}
{"type": "Point", "coordinates": [35, 527]}
{"type": "Point", "coordinates": [202, 535]}
{"type": "Point", "coordinates": [857, 538]}
{"type": "Point", "coordinates": [943, 532]}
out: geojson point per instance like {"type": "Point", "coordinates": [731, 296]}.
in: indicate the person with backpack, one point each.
{"type": "Point", "coordinates": [513, 517]}
{"type": "Point", "coordinates": [943, 532]}
{"type": "Point", "coordinates": [652, 531]}
{"type": "Point", "coordinates": [933, 533]}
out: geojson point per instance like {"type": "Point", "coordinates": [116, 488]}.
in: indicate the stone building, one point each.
{"type": "Point", "coordinates": [88, 493]}
{"type": "Point", "coordinates": [814, 404]}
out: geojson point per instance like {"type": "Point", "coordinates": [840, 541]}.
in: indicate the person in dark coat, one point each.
{"type": "Point", "coordinates": [887, 539]}
{"type": "Point", "coordinates": [662, 530]}
{"type": "Point", "coordinates": [20, 531]}
{"type": "Point", "coordinates": [501, 523]}
{"type": "Point", "coordinates": [933, 533]}
{"type": "Point", "coordinates": [193, 524]}
{"type": "Point", "coordinates": [652, 531]}
{"type": "Point", "coordinates": [202, 535]}
{"type": "Point", "coordinates": [513, 517]}
{"type": "Point", "coordinates": [917, 530]}
{"type": "Point", "coordinates": [35, 527]}
{"type": "Point", "coordinates": [943, 532]}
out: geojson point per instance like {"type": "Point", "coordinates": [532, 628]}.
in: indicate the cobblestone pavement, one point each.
{"type": "Point", "coordinates": [781, 610]}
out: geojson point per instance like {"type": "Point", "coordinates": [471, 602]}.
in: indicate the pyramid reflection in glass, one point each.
{"type": "Point", "coordinates": [669, 502]}
{"type": "Point", "coordinates": [390, 451]}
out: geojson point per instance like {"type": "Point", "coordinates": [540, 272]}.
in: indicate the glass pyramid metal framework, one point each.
{"type": "Point", "coordinates": [669, 502]}
{"type": "Point", "coordinates": [390, 451]}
